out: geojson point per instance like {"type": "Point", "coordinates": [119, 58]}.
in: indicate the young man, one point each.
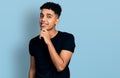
{"type": "Point", "coordinates": [51, 50]}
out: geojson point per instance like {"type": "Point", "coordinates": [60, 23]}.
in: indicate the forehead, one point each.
{"type": "Point", "coordinates": [47, 11]}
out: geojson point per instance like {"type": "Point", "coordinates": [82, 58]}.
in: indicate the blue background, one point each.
{"type": "Point", "coordinates": [95, 24]}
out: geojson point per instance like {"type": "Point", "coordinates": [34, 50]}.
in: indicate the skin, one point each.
{"type": "Point", "coordinates": [48, 21]}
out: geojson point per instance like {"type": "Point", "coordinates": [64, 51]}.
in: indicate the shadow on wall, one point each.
{"type": "Point", "coordinates": [30, 29]}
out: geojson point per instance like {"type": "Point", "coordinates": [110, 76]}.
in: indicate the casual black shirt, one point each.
{"type": "Point", "coordinates": [44, 65]}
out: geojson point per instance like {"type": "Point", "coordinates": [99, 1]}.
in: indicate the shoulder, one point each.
{"type": "Point", "coordinates": [34, 39]}
{"type": "Point", "coordinates": [68, 41]}
{"type": "Point", "coordinates": [66, 35]}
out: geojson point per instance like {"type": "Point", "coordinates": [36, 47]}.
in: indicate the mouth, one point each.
{"type": "Point", "coordinates": [43, 24]}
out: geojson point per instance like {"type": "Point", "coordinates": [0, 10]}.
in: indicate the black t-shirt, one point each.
{"type": "Point", "coordinates": [44, 65]}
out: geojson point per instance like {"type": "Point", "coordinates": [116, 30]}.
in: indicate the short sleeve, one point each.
{"type": "Point", "coordinates": [69, 43]}
{"type": "Point", "coordinates": [30, 48]}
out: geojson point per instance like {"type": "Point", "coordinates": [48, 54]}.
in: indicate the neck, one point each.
{"type": "Point", "coordinates": [53, 33]}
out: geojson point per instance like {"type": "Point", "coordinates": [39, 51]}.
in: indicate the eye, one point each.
{"type": "Point", "coordinates": [41, 15]}
{"type": "Point", "coordinates": [49, 16]}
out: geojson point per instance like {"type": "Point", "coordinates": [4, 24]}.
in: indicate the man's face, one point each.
{"type": "Point", "coordinates": [48, 19]}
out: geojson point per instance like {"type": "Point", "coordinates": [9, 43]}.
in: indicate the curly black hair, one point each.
{"type": "Point", "coordinates": [53, 6]}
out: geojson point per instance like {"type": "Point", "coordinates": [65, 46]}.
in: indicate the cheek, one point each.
{"type": "Point", "coordinates": [51, 22]}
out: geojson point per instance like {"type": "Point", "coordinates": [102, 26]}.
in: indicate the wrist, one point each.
{"type": "Point", "coordinates": [49, 42]}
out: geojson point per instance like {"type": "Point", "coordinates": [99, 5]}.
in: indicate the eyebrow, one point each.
{"type": "Point", "coordinates": [47, 14]}
{"type": "Point", "coordinates": [41, 13]}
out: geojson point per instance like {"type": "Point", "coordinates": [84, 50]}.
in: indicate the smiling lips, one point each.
{"type": "Point", "coordinates": [43, 24]}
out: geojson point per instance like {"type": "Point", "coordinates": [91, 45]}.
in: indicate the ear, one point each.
{"type": "Point", "coordinates": [57, 21]}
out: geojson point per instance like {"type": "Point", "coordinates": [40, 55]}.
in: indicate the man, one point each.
{"type": "Point", "coordinates": [51, 50]}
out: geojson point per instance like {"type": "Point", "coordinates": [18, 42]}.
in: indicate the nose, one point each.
{"type": "Point", "coordinates": [43, 18]}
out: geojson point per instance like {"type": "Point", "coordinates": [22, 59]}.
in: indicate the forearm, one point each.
{"type": "Point", "coordinates": [31, 73]}
{"type": "Point", "coordinates": [57, 60]}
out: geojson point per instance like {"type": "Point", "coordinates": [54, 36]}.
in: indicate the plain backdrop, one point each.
{"type": "Point", "coordinates": [94, 23]}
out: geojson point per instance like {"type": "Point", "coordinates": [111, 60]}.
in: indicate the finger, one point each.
{"type": "Point", "coordinates": [44, 30]}
{"type": "Point", "coordinates": [40, 36]}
